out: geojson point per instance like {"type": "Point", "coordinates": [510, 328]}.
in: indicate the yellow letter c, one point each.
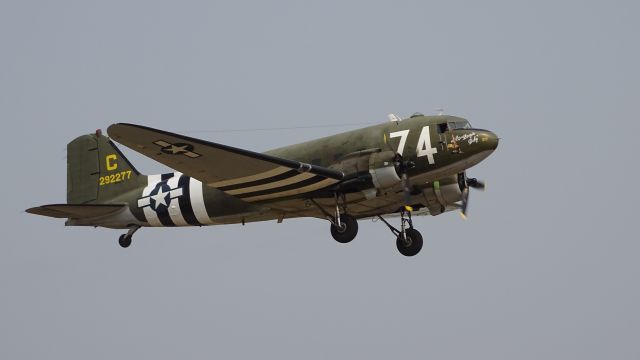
{"type": "Point", "coordinates": [111, 164]}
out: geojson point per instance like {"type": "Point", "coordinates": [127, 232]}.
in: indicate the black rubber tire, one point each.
{"type": "Point", "coordinates": [124, 241]}
{"type": "Point", "coordinates": [412, 245]}
{"type": "Point", "coordinates": [348, 231]}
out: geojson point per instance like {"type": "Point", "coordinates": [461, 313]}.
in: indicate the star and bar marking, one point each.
{"type": "Point", "coordinates": [160, 196]}
{"type": "Point", "coordinates": [177, 149]}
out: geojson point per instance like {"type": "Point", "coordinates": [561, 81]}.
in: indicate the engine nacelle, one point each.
{"type": "Point", "coordinates": [442, 195]}
{"type": "Point", "coordinates": [369, 171]}
{"type": "Point", "coordinates": [383, 171]}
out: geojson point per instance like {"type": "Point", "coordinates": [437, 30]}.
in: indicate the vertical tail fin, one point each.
{"type": "Point", "coordinates": [97, 172]}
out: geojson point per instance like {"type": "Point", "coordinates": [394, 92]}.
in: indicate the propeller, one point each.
{"type": "Point", "coordinates": [402, 167]}
{"type": "Point", "coordinates": [466, 184]}
{"type": "Point", "coordinates": [476, 184]}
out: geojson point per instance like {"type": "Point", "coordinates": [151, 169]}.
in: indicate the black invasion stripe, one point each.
{"type": "Point", "coordinates": [285, 175]}
{"type": "Point", "coordinates": [297, 185]}
{"type": "Point", "coordinates": [185, 202]}
{"type": "Point", "coordinates": [166, 176]}
{"type": "Point", "coordinates": [164, 217]}
{"type": "Point", "coordinates": [163, 211]}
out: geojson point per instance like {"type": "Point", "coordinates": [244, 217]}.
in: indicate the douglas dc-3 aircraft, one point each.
{"type": "Point", "coordinates": [401, 167]}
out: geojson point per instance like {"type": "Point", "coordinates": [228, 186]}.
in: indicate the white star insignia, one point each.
{"type": "Point", "coordinates": [160, 198]}
{"type": "Point", "coordinates": [178, 149]}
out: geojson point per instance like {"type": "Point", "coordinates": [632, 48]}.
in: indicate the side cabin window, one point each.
{"type": "Point", "coordinates": [442, 128]}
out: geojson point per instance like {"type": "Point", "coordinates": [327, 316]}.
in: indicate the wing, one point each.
{"type": "Point", "coordinates": [75, 211]}
{"type": "Point", "coordinates": [245, 174]}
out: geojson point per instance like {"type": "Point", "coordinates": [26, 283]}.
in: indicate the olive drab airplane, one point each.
{"type": "Point", "coordinates": [414, 166]}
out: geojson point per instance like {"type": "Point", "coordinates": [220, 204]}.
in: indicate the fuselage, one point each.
{"type": "Point", "coordinates": [436, 144]}
{"type": "Point", "coordinates": [437, 147]}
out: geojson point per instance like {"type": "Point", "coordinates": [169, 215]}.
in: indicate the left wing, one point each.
{"type": "Point", "coordinates": [76, 211]}
{"type": "Point", "coordinates": [245, 174]}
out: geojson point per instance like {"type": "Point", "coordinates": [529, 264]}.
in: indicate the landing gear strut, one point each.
{"type": "Point", "coordinates": [125, 239]}
{"type": "Point", "coordinates": [344, 227]}
{"type": "Point", "coordinates": [408, 239]}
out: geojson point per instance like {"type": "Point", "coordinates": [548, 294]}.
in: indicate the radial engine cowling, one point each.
{"type": "Point", "coordinates": [369, 171]}
{"type": "Point", "coordinates": [382, 169]}
{"type": "Point", "coordinates": [442, 195]}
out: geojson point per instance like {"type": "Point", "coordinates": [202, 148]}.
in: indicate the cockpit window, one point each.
{"type": "Point", "coordinates": [463, 124]}
{"type": "Point", "coordinates": [453, 125]}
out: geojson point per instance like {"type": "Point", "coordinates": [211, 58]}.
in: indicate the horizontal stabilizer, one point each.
{"type": "Point", "coordinates": [76, 211]}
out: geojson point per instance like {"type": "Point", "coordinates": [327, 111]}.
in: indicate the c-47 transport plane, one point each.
{"type": "Point", "coordinates": [414, 166]}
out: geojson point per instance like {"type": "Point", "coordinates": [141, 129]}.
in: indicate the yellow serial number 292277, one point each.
{"type": "Point", "coordinates": [115, 178]}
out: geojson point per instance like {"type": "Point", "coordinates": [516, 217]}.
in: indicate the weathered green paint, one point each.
{"type": "Point", "coordinates": [329, 150]}
{"type": "Point", "coordinates": [355, 153]}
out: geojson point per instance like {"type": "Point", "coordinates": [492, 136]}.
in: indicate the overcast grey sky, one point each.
{"type": "Point", "coordinates": [545, 267]}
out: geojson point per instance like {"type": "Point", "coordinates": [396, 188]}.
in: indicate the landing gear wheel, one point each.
{"type": "Point", "coordinates": [347, 231]}
{"type": "Point", "coordinates": [124, 240]}
{"type": "Point", "coordinates": [410, 245]}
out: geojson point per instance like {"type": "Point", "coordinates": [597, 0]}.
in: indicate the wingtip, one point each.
{"type": "Point", "coordinates": [110, 129]}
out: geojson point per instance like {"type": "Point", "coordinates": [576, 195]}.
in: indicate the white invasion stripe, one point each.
{"type": "Point", "coordinates": [149, 214]}
{"type": "Point", "coordinates": [263, 175]}
{"type": "Point", "coordinates": [174, 206]}
{"type": "Point", "coordinates": [197, 202]}
{"type": "Point", "coordinates": [318, 185]}
{"type": "Point", "coordinates": [145, 201]}
{"type": "Point", "coordinates": [291, 180]}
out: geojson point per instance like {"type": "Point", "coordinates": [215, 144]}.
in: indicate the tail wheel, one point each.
{"type": "Point", "coordinates": [411, 243]}
{"type": "Point", "coordinates": [124, 240]}
{"type": "Point", "coordinates": [347, 231]}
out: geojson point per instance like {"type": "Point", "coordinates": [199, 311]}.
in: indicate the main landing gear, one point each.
{"type": "Point", "coordinates": [408, 239]}
{"type": "Point", "coordinates": [125, 239]}
{"type": "Point", "coordinates": [344, 227]}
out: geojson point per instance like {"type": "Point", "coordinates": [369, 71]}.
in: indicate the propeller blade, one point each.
{"type": "Point", "coordinates": [476, 184]}
{"type": "Point", "coordinates": [406, 189]}
{"type": "Point", "coordinates": [466, 184]}
{"type": "Point", "coordinates": [402, 167]}
{"type": "Point", "coordinates": [465, 203]}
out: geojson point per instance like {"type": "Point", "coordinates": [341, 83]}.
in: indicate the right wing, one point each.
{"type": "Point", "coordinates": [245, 174]}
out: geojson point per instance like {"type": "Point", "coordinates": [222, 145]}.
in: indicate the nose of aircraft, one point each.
{"type": "Point", "coordinates": [489, 140]}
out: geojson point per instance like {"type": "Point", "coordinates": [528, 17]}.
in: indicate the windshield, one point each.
{"type": "Point", "coordinates": [460, 124]}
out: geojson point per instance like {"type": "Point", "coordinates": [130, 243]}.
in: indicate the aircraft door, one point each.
{"type": "Point", "coordinates": [446, 139]}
